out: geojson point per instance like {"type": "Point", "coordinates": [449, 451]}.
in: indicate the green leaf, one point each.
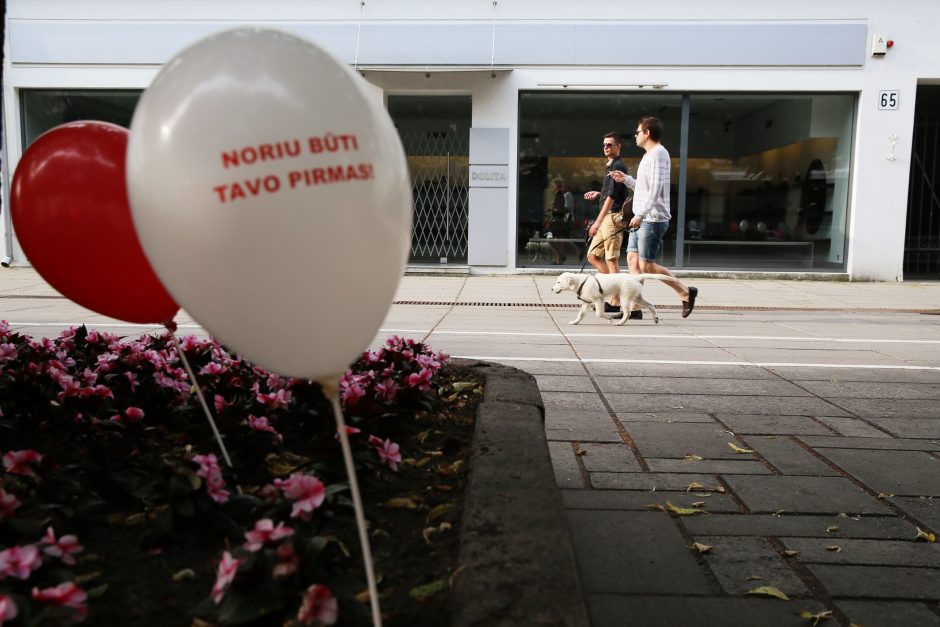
{"type": "Point", "coordinates": [815, 618]}
{"type": "Point", "coordinates": [428, 590]}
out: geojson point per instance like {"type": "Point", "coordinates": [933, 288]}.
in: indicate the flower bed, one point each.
{"type": "Point", "coordinates": [117, 506]}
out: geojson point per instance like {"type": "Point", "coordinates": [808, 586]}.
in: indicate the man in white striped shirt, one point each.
{"type": "Point", "coordinates": [651, 213]}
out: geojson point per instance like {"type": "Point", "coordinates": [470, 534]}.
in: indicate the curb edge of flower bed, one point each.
{"type": "Point", "coordinates": [516, 550]}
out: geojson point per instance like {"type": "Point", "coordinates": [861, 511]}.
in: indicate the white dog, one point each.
{"type": "Point", "coordinates": [592, 288]}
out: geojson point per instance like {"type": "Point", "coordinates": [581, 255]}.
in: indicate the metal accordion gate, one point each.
{"type": "Point", "coordinates": [439, 167]}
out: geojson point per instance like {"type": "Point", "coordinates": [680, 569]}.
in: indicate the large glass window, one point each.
{"type": "Point", "coordinates": [765, 177]}
{"type": "Point", "coordinates": [44, 109]}
{"type": "Point", "coordinates": [560, 140]}
{"type": "Point", "coordinates": [768, 179]}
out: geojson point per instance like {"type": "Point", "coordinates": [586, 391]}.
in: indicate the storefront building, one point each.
{"type": "Point", "coordinates": [803, 135]}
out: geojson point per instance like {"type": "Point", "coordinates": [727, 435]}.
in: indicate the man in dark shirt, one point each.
{"type": "Point", "coordinates": [607, 230]}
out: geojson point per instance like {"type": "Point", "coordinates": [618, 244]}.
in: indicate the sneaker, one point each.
{"type": "Point", "coordinates": [616, 316]}
{"type": "Point", "coordinates": [608, 308]}
{"type": "Point", "coordinates": [636, 315]}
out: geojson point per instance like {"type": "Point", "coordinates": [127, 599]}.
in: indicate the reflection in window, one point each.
{"type": "Point", "coordinates": [560, 139]}
{"type": "Point", "coordinates": [44, 109]}
{"type": "Point", "coordinates": [767, 183]}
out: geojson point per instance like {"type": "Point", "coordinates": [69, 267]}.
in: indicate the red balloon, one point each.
{"type": "Point", "coordinates": [71, 214]}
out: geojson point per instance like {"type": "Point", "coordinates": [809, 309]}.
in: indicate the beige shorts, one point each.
{"type": "Point", "coordinates": [609, 237]}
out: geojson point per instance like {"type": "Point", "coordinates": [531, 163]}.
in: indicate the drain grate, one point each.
{"type": "Point", "coordinates": [440, 303]}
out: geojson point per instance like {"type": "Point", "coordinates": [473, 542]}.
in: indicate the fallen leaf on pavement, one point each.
{"type": "Point", "coordinates": [815, 618]}
{"type": "Point", "coordinates": [700, 548]}
{"type": "Point", "coordinates": [924, 536]}
{"type": "Point", "coordinates": [683, 511]}
{"type": "Point", "coordinates": [834, 547]}
{"type": "Point", "coordinates": [692, 457]}
{"type": "Point", "coordinates": [769, 591]}
{"type": "Point", "coordinates": [832, 528]}
{"type": "Point", "coordinates": [406, 502]}
{"type": "Point", "coordinates": [790, 553]}
{"type": "Point", "coordinates": [694, 486]}
{"type": "Point", "coordinates": [698, 504]}
{"type": "Point", "coordinates": [738, 449]}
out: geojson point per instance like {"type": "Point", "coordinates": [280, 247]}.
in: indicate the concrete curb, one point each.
{"type": "Point", "coordinates": [515, 546]}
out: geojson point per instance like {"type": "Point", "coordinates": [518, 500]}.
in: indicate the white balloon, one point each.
{"type": "Point", "coordinates": [271, 195]}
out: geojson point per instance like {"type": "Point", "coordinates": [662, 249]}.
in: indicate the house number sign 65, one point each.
{"type": "Point", "coordinates": [888, 99]}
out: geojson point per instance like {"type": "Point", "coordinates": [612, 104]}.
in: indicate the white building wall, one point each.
{"type": "Point", "coordinates": [878, 189]}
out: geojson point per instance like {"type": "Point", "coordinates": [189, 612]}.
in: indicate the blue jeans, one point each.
{"type": "Point", "coordinates": [648, 240]}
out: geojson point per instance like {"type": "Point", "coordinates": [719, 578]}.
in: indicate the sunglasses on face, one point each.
{"type": "Point", "coordinates": [609, 145]}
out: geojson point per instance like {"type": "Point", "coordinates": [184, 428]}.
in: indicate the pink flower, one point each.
{"type": "Point", "coordinates": [210, 471]}
{"type": "Point", "coordinates": [220, 403]}
{"type": "Point", "coordinates": [352, 394]}
{"type": "Point", "coordinates": [67, 594]}
{"type": "Point", "coordinates": [261, 423]}
{"type": "Point", "coordinates": [16, 462]}
{"type": "Point", "coordinates": [8, 504]}
{"type": "Point", "coordinates": [226, 574]}
{"type": "Point", "coordinates": [189, 342]}
{"type": "Point", "coordinates": [319, 607]}
{"type": "Point", "coordinates": [388, 451]}
{"type": "Point", "coordinates": [386, 390]}
{"type": "Point", "coordinates": [134, 414]}
{"type": "Point", "coordinates": [63, 548]}
{"type": "Point", "coordinates": [287, 560]}
{"type": "Point", "coordinates": [7, 609]}
{"type": "Point", "coordinates": [8, 352]}
{"type": "Point", "coordinates": [19, 561]}
{"type": "Point", "coordinates": [133, 380]}
{"type": "Point", "coordinates": [4, 327]}
{"type": "Point", "coordinates": [212, 369]}
{"type": "Point", "coordinates": [275, 400]}
{"type": "Point", "coordinates": [421, 380]}
{"type": "Point", "coordinates": [265, 531]}
{"type": "Point", "coordinates": [306, 491]}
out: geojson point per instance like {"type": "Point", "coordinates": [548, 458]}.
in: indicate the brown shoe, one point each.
{"type": "Point", "coordinates": [689, 305]}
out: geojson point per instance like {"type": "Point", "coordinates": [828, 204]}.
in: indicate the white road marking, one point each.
{"type": "Point", "coordinates": [679, 362]}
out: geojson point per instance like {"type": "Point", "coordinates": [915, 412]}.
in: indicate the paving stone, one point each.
{"type": "Point", "coordinates": [545, 367]}
{"type": "Point", "coordinates": [663, 417]}
{"type": "Point", "coordinates": [576, 418]}
{"type": "Point", "coordinates": [803, 495]}
{"type": "Point", "coordinates": [716, 404]}
{"type": "Point", "coordinates": [565, 465]}
{"type": "Point", "coordinates": [602, 457]}
{"type": "Point", "coordinates": [659, 371]}
{"type": "Point", "coordinates": [924, 509]}
{"type": "Point", "coordinates": [676, 440]}
{"type": "Point", "coordinates": [742, 564]}
{"type": "Point", "coordinates": [633, 552]}
{"type": "Point", "coordinates": [879, 582]}
{"type": "Point", "coordinates": [904, 427]}
{"type": "Point", "coordinates": [907, 473]}
{"type": "Point", "coordinates": [710, 466]}
{"type": "Point", "coordinates": [565, 383]}
{"type": "Point", "coordinates": [582, 401]}
{"type": "Point", "coordinates": [865, 552]}
{"type": "Point", "coordinates": [789, 457]}
{"type": "Point", "coordinates": [853, 427]}
{"type": "Point", "coordinates": [710, 386]}
{"type": "Point", "coordinates": [889, 408]}
{"type": "Point", "coordinates": [649, 481]}
{"type": "Point", "coordinates": [640, 501]}
{"type": "Point", "coordinates": [891, 528]}
{"type": "Point", "coordinates": [874, 389]}
{"type": "Point", "coordinates": [585, 435]}
{"type": "Point", "coordinates": [770, 425]}
{"type": "Point", "coordinates": [888, 614]}
{"type": "Point", "coordinates": [889, 443]}
{"type": "Point", "coordinates": [802, 375]}
{"type": "Point", "coordinates": [668, 611]}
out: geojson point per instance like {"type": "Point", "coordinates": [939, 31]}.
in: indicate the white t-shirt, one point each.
{"type": "Point", "coordinates": [651, 186]}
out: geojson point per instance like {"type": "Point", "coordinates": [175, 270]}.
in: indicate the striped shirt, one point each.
{"type": "Point", "coordinates": [651, 186]}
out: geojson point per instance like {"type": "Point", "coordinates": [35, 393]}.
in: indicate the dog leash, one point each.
{"type": "Point", "coordinates": [587, 240]}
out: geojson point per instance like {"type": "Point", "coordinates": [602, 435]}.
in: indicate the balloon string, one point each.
{"type": "Point", "coordinates": [333, 395]}
{"type": "Point", "coordinates": [202, 400]}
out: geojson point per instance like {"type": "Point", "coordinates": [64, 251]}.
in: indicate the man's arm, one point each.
{"type": "Point", "coordinates": [659, 178]}
{"type": "Point", "coordinates": [608, 203]}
